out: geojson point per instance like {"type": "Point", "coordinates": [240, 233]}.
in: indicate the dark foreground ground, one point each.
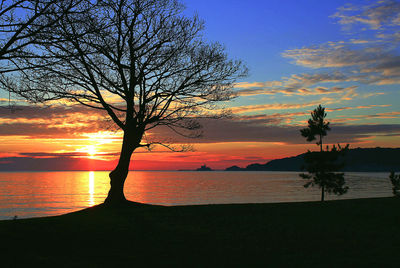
{"type": "Point", "coordinates": [351, 233]}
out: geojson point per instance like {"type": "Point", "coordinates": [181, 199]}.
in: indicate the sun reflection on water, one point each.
{"type": "Point", "coordinates": [91, 188]}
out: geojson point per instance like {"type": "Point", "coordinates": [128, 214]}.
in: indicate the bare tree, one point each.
{"type": "Point", "coordinates": [141, 61]}
{"type": "Point", "coordinates": [21, 21]}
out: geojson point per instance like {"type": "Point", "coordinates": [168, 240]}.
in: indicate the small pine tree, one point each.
{"type": "Point", "coordinates": [317, 126]}
{"type": "Point", "coordinates": [322, 166]}
{"type": "Point", "coordinates": [395, 179]}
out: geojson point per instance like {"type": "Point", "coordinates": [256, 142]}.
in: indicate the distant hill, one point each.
{"type": "Point", "coordinates": [359, 159]}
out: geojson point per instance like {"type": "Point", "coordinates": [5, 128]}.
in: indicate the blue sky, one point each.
{"type": "Point", "coordinates": [259, 31]}
{"type": "Point", "coordinates": [272, 36]}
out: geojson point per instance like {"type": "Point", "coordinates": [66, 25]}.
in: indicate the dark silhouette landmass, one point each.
{"type": "Point", "coordinates": [235, 168]}
{"type": "Point", "coordinates": [356, 160]}
{"type": "Point", "coordinates": [204, 168]}
{"type": "Point", "coordinates": [345, 233]}
{"type": "Point", "coordinates": [359, 159]}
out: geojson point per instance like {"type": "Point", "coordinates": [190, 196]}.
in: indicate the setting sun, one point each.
{"type": "Point", "coordinates": [91, 150]}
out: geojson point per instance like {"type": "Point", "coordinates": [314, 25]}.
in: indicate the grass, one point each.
{"type": "Point", "coordinates": [363, 232]}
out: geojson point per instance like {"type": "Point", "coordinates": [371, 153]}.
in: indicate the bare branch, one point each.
{"type": "Point", "coordinates": [142, 61]}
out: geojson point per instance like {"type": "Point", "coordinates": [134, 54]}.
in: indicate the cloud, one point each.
{"type": "Point", "coordinates": [50, 112]}
{"type": "Point", "coordinates": [48, 130]}
{"type": "Point", "coordinates": [258, 84]}
{"type": "Point", "coordinates": [357, 107]}
{"type": "Point", "coordinates": [56, 121]}
{"type": "Point", "coordinates": [280, 125]}
{"type": "Point", "coordinates": [373, 61]}
{"type": "Point", "coordinates": [374, 16]}
{"type": "Point", "coordinates": [274, 106]}
{"type": "Point", "coordinates": [297, 84]}
{"type": "Point", "coordinates": [333, 55]}
{"type": "Point", "coordinates": [368, 65]}
{"type": "Point", "coordinates": [266, 128]}
{"type": "Point", "coordinates": [64, 154]}
{"type": "Point", "coordinates": [388, 115]}
{"type": "Point", "coordinates": [349, 94]}
{"type": "Point", "coordinates": [53, 163]}
{"type": "Point", "coordinates": [360, 41]}
{"type": "Point", "coordinates": [343, 67]}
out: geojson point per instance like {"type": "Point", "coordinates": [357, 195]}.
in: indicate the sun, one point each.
{"type": "Point", "coordinates": [91, 151]}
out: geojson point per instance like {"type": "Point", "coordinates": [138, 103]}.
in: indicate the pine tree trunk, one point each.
{"type": "Point", "coordinates": [320, 142]}
{"type": "Point", "coordinates": [118, 175]}
{"type": "Point", "coordinates": [323, 185]}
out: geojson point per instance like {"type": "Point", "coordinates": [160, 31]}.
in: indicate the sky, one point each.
{"type": "Point", "coordinates": [344, 55]}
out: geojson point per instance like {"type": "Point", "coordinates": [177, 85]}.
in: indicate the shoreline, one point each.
{"type": "Point", "coordinates": [205, 205]}
{"type": "Point", "coordinates": [198, 205]}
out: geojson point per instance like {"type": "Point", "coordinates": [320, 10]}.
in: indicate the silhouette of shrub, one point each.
{"type": "Point", "coordinates": [395, 180]}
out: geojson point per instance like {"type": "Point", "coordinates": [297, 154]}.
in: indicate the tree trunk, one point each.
{"type": "Point", "coordinates": [118, 175]}
{"type": "Point", "coordinates": [323, 186]}
{"type": "Point", "coordinates": [320, 142]}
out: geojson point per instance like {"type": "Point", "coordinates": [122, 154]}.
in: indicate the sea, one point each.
{"type": "Point", "coordinates": [38, 194]}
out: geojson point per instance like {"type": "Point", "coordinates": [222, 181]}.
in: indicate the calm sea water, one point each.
{"type": "Point", "coordinates": [33, 194]}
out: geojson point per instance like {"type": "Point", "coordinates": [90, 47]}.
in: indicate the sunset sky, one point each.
{"type": "Point", "coordinates": [344, 55]}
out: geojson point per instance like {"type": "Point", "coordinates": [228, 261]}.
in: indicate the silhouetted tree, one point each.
{"type": "Point", "coordinates": [317, 126]}
{"type": "Point", "coordinates": [395, 180]}
{"type": "Point", "coordinates": [21, 21]}
{"type": "Point", "coordinates": [322, 166]}
{"type": "Point", "coordinates": [141, 61]}
{"type": "Point", "coordinates": [322, 170]}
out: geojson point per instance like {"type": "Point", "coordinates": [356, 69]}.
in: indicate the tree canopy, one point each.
{"type": "Point", "coordinates": [21, 21]}
{"type": "Point", "coordinates": [323, 167]}
{"type": "Point", "coordinates": [141, 61]}
{"type": "Point", "coordinates": [395, 180]}
{"type": "Point", "coordinates": [317, 126]}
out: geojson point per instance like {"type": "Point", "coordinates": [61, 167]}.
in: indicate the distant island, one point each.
{"type": "Point", "coordinates": [204, 168]}
{"type": "Point", "coordinates": [359, 159]}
